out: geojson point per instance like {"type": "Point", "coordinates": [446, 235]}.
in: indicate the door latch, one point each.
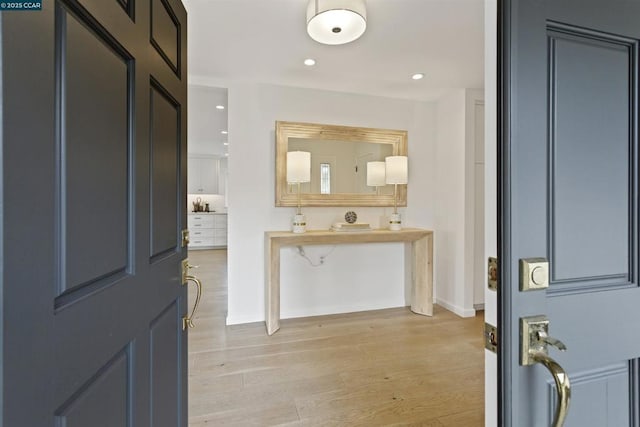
{"type": "Point", "coordinates": [491, 338]}
{"type": "Point", "coordinates": [185, 238]}
{"type": "Point", "coordinates": [492, 274]}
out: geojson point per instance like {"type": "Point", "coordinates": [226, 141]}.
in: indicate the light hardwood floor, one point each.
{"type": "Point", "coordinates": [375, 368]}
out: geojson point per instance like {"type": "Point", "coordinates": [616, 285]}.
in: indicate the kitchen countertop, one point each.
{"type": "Point", "coordinates": [207, 213]}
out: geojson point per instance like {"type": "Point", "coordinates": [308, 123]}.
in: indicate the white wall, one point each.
{"type": "Point", "coordinates": [353, 277]}
{"type": "Point", "coordinates": [450, 210]}
{"type": "Point", "coordinates": [455, 200]}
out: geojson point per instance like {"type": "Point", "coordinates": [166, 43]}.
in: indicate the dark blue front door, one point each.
{"type": "Point", "coordinates": [570, 194]}
{"type": "Point", "coordinates": [93, 183]}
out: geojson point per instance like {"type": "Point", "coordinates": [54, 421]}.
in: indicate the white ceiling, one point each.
{"type": "Point", "coordinates": [266, 41]}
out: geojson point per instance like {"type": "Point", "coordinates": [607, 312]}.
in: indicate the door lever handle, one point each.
{"type": "Point", "coordinates": [563, 386]}
{"type": "Point", "coordinates": [545, 338]}
{"type": "Point", "coordinates": [187, 321]}
{"type": "Point", "coordinates": [535, 342]}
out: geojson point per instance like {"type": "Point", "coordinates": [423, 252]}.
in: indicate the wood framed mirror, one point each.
{"type": "Point", "coordinates": [339, 157]}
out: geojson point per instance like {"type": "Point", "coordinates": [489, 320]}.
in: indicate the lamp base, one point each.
{"type": "Point", "coordinates": [395, 222]}
{"type": "Point", "coordinates": [299, 223]}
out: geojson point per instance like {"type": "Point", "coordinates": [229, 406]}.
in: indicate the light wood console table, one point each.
{"type": "Point", "coordinates": [421, 265]}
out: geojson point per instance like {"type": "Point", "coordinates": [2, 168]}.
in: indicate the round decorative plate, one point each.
{"type": "Point", "coordinates": [351, 217]}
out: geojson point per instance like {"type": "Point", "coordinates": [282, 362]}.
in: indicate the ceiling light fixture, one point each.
{"type": "Point", "coordinates": [309, 62]}
{"type": "Point", "coordinates": [417, 76]}
{"type": "Point", "coordinates": [224, 132]}
{"type": "Point", "coordinates": [220, 107]}
{"type": "Point", "coordinates": [225, 143]}
{"type": "Point", "coordinates": [336, 21]}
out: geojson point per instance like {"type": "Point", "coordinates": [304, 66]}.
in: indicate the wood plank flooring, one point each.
{"type": "Point", "coordinates": [375, 368]}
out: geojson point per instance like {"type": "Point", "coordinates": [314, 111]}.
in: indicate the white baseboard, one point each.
{"type": "Point", "coordinates": [340, 309]}
{"type": "Point", "coordinates": [240, 320]}
{"type": "Point", "coordinates": [455, 309]}
{"type": "Point", "coordinates": [318, 311]}
{"type": "Point", "coordinates": [478, 307]}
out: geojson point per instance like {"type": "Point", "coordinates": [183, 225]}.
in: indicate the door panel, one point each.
{"type": "Point", "coordinates": [165, 33]}
{"type": "Point", "coordinates": [569, 193]}
{"type": "Point", "coordinates": [100, 402]}
{"type": "Point", "coordinates": [600, 397]}
{"type": "Point", "coordinates": [94, 145]}
{"type": "Point", "coordinates": [93, 190]}
{"type": "Point", "coordinates": [165, 156]}
{"type": "Point", "coordinates": [166, 375]}
{"type": "Point", "coordinates": [590, 83]}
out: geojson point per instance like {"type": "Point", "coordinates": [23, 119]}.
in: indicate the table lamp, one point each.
{"type": "Point", "coordinates": [396, 172]}
{"type": "Point", "coordinates": [298, 171]}
{"type": "Point", "coordinates": [376, 175]}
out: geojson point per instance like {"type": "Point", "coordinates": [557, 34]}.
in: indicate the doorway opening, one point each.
{"type": "Point", "coordinates": [446, 199]}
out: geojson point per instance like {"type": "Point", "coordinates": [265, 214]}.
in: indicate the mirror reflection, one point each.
{"type": "Point", "coordinates": [342, 168]}
{"type": "Point", "coordinates": [343, 162]}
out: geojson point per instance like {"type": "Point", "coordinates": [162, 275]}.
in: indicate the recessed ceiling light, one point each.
{"type": "Point", "coordinates": [225, 143]}
{"type": "Point", "coordinates": [309, 62]}
{"type": "Point", "coordinates": [224, 132]}
{"type": "Point", "coordinates": [220, 107]}
{"type": "Point", "coordinates": [417, 76]}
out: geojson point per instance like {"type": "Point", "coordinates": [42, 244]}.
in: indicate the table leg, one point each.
{"type": "Point", "coordinates": [272, 286]}
{"type": "Point", "coordinates": [422, 276]}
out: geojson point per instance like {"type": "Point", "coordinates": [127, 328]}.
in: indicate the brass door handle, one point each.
{"type": "Point", "coordinates": [563, 386]}
{"type": "Point", "coordinates": [535, 342]}
{"type": "Point", "coordinates": [187, 321]}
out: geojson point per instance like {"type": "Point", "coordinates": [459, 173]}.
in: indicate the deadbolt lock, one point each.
{"type": "Point", "coordinates": [534, 274]}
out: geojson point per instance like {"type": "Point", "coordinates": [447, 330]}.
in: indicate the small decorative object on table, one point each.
{"type": "Point", "coordinates": [345, 226]}
{"type": "Point", "coordinates": [351, 217]}
{"type": "Point", "coordinates": [351, 224]}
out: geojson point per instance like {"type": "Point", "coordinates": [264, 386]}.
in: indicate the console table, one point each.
{"type": "Point", "coordinates": [421, 253]}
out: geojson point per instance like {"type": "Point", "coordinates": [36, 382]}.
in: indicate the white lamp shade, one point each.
{"type": "Point", "coordinates": [336, 21]}
{"type": "Point", "coordinates": [298, 166]}
{"type": "Point", "coordinates": [396, 170]}
{"type": "Point", "coordinates": [375, 174]}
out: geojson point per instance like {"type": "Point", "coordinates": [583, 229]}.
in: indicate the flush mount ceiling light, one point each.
{"type": "Point", "coordinates": [418, 76]}
{"type": "Point", "coordinates": [220, 107]}
{"type": "Point", "coordinates": [309, 62]}
{"type": "Point", "coordinates": [336, 21]}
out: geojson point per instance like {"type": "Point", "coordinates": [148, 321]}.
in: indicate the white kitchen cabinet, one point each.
{"type": "Point", "coordinates": [202, 174]}
{"type": "Point", "coordinates": [207, 230]}
{"type": "Point", "coordinates": [220, 230]}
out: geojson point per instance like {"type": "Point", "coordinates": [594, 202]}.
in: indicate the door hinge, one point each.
{"type": "Point", "coordinates": [492, 274]}
{"type": "Point", "coordinates": [491, 338]}
{"type": "Point", "coordinates": [185, 238]}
